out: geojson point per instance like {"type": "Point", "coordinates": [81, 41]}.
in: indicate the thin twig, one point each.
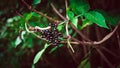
{"type": "Point", "coordinates": [118, 38]}
{"type": "Point", "coordinates": [54, 9]}
{"type": "Point", "coordinates": [19, 14]}
{"type": "Point", "coordinates": [80, 33]}
{"type": "Point", "coordinates": [66, 4]}
{"type": "Point", "coordinates": [110, 52]}
{"type": "Point", "coordinates": [67, 33]}
{"type": "Point", "coordinates": [72, 42]}
{"type": "Point", "coordinates": [83, 42]}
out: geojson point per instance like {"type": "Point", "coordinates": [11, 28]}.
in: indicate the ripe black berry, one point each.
{"type": "Point", "coordinates": [52, 35]}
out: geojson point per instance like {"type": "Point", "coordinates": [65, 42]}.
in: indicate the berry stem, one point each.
{"type": "Point", "coordinates": [39, 28]}
{"type": "Point", "coordinates": [27, 28]}
{"type": "Point", "coordinates": [68, 41]}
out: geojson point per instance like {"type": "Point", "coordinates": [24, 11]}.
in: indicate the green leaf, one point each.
{"type": "Point", "coordinates": [36, 1]}
{"type": "Point", "coordinates": [28, 16]}
{"type": "Point", "coordinates": [72, 18]}
{"type": "Point", "coordinates": [83, 63]}
{"type": "Point", "coordinates": [79, 6]}
{"type": "Point", "coordinates": [96, 18]}
{"type": "Point", "coordinates": [53, 49]}
{"type": "Point", "coordinates": [85, 23]}
{"type": "Point", "coordinates": [75, 21]}
{"type": "Point", "coordinates": [87, 65]}
{"type": "Point", "coordinates": [60, 27]}
{"type": "Point", "coordinates": [112, 20]}
{"type": "Point", "coordinates": [17, 41]}
{"type": "Point", "coordinates": [39, 54]}
{"type": "Point", "coordinates": [70, 14]}
{"type": "Point", "coordinates": [20, 38]}
{"type": "Point", "coordinates": [9, 20]}
{"type": "Point", "coordinates": [70, 31]}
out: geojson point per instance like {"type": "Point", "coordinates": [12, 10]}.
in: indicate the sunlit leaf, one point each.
{"type": "Point", "coordinates": [75, 21]}
{"type": "Point", "coordinates": [28, 16]}
{"type": "Point", "coordinates": [36, 1]}
{"type": "Point", "coordinates": [39, 54]}
{"type": "Point", "coordinates": [86, 23]}
{"type": "Point", "coordinates": [96, 18]}
{"type": "Point", "coordinates": [18, 41]}
{"type": "Point", "coordinates": [72, 18]}
{"type": "Point", "coordinates": [9, 20]}
{"type": "Point", "coordinates": [60, 27]}
{"type": "Point", "coordinates": [70, 15]}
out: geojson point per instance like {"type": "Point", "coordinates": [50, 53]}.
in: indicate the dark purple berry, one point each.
{"type": "Point", "coordinates": [52, 35]}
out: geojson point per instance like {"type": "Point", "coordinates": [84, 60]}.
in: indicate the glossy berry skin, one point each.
{"type": "Point", "coordinates": [52, 35]}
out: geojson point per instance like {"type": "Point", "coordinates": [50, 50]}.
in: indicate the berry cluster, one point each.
{"type": "Point", "coordinates": [52, 34]}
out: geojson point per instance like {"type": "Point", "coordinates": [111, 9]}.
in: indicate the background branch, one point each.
{"type": "Point", "coordinates": [105, 59]}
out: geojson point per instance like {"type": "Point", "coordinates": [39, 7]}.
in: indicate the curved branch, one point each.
{"type": "Point", "coordinates": [101, 41]}
{"type": "Point", "coordinates": [107, 36]}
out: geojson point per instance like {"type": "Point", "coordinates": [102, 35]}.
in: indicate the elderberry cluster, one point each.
{"type": "Point", "coordinates": [52, 35]}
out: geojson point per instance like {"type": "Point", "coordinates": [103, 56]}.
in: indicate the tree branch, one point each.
{"type": "Point", "coordinates": [107, 36]}
{"type": "Point", "coordinates": [55, 10]}
{"type": "Point", "coordinates": [42, 14]}
{"type": "Point", "coordinates": [101, 41]}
